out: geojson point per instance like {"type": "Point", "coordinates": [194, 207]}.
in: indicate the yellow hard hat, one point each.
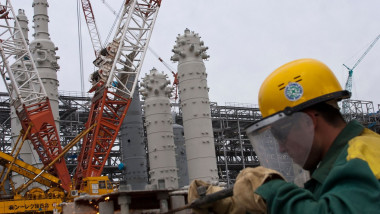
{"type": "Point", "coordinates": [297, 85]}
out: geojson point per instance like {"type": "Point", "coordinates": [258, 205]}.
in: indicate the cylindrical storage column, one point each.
{"type": "Point", "coordinates": [158, 122]}
{"type": "Point", "coordinates": [180, 151]}
{"type": "Point", "coordinates": [133, 146]}
{"type": "Point", "coordinates": [190, 52]}
{"type": "Point", "coordinates": [44, 55]}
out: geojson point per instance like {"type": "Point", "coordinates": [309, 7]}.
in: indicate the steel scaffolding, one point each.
{"type": "Point", "coordinates": [364, 112]}
{"type": "Point", "coordinates": [233, 150]}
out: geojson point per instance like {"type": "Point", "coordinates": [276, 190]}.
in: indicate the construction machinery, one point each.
{"type": "Point", "coordinates": [114, 83]}
{"type": "Point", "coordinates": [348, 85]}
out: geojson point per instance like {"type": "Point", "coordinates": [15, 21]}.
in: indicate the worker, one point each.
{"type": "Point", "coordinates": [301, 118]}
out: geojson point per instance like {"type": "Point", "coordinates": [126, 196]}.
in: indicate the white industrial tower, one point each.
{"type": "Point", "coordinates": [158, 123]}
{"type": "Point", "coordinates": [190, 52]}
{"type": "Point", "coordinates": [44, 54]}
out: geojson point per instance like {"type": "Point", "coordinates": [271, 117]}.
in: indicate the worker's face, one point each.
{"type": "Point", "coordinates": [295, 136]}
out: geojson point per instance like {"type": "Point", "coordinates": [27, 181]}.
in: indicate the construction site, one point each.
{"type": "Point", "coordinates": [130, 143]}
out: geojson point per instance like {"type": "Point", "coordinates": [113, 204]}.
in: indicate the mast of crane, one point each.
{"type": "Point", "coordinates": [348, 85]}
{"type": "Point", "coordinates": [114, 83]}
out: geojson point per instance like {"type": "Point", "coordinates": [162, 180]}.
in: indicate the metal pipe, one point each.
{"type": "Point", "coordinates": [240, 140]}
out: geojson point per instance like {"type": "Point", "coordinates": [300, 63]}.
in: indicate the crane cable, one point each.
{"type": "Point", "coordinates": [117, 15]}
{"type": "Point", "coordinates": [161, 60]}
{"type": "Point", "coordinates": [80, 48]}
{"type": "Point", "coordinates": [174, 73]}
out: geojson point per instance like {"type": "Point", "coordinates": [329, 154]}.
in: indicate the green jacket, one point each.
{"type": "Point", "coordinates": [346, 181]}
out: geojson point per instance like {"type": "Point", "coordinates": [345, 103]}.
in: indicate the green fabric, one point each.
{"type": "Point", "coordinates": [337, 186]}
{"type": "Point", "coordinates": [338, 148]}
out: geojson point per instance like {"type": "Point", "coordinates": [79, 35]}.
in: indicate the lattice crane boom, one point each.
{"type": "Point", "coordinates": [114, 83]}
{"type": "Point", "coordinates": [91, 25]}
{"type": "Point", "coordinates": [27, 93]}
{"type": "Point", "coordinates": [348, 86]}
{"type": "Point", "coordinates": [351, 70]}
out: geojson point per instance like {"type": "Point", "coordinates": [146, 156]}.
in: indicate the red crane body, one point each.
{"type": "Point", "coordinates": [114, 83]}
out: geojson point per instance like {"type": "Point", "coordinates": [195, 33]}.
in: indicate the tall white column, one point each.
{"type": "Point", "coordinates": [190, 52]}
{"type": "Point", "coordinates": [158, 122]}
{"type": "Point", "coordinates": [44, 54]}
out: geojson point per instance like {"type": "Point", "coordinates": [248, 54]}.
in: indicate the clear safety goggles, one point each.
{"type": "Point", "coordinates": [282, 140]}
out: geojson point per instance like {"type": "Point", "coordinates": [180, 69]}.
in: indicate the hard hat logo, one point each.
{"type": "Point", "coordinates": [293, 91]}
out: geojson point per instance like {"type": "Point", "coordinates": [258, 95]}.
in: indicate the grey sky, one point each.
{"type": "Point", "coordinates": [247, 40]}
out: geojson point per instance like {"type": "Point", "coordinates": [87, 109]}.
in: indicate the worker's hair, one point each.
{"type": "Point", "coordinates": [329, 112]}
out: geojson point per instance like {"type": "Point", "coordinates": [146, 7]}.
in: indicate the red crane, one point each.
{"type": "Point", "coordinates": [114, 82]}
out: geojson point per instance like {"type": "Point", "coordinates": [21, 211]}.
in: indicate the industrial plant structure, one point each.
{"type": "Point", "coordinates": [232, 147]}
{"type": "Point", "coordinates": [143, 149]}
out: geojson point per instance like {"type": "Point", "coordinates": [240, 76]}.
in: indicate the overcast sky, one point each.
{"type": "Point", "coordinates": [247, 40]}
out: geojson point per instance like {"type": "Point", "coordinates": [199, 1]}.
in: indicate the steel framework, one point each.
{"type": "Point", "coordinates": [233, 149]}
{"type": "Point", "coordinates": [364, 112]}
